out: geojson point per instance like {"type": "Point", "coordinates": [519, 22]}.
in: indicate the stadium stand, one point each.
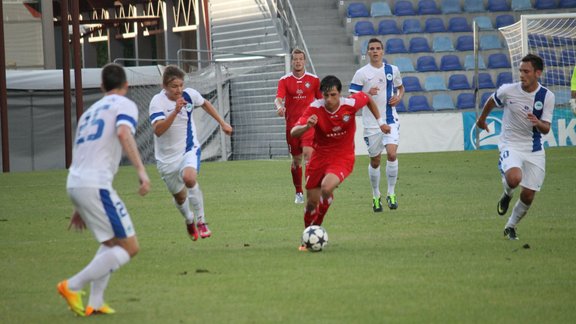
{"type": "Point", "coordinates": [363, 28]}
{"type": "Point", "coordinates": [484, 97]}
{"type": "Point", "coordinates": [357, 9]}
{"type": "Point", "coordinates": [485, 81]}
{"type": "Point", "coordinates": [395, 45]}
{"type": "Point", "coordinates": [503, 78]}
{"type": "Point", "coordinates": [458, 82]}
{"type": "Point", "coordinates": [426, 63]}
{"type": "Point", "coordinates": [545, 4]}
{"type": "Point", "coordinates": [411, 84]}
{"type": "Point", "coordinates": [537, 40]}
{"type": "Point", "coordinates": [404, 64]}
{"type": "Point", "coordinates": [419, 45]}
{"type": "Point", "coordinates": [442, 44]}
{"type": "Point", "coordinates": [521, 5]}
{"type": "Point", "coordinates": [450, 62]}
{"type": "Point", "coordinates": [498, 61]}
{"type": "Point", "coordinates": [567, 4]}
{"type": "Point", "coordinates": [563, 41]}
{"type": "Point", "coordinates": [450, 6]}
{"type": "Point", "coordinates": [465, 101]}
{"type": "Point", "coordinates": [442, 101]}
{"type": "Point", "coordinates": [504, 20]}
{"type": "Point", "coordinates": [497, 5]}
{"type": "Point", "coordinates": [418, 103]}
{"type": "Point", "coordinates": [380, 9]}
{"type": "Point", "coordinates": [563, 96]}
{"type": "Point", "coordinates": [388, 27]}
{"type": "Point", "coordinates": [400, 107]}
{"type": "Point", "coordinates": [474, 6]}
{"type": "Point", "coordinates": [428, 7]}
{"type": "Point", "coordinates": [434, 25]}
{"type": "Point", "coordinates": [404, 8]}
{"type": "Point", "coordinates": [555, 77]}
{"type": "Point", "coordinates": [435, 83]}
{"type": "Point", "coordinates": [568, 57]}
{"type": "Point", "coordinates": [469, 62]}
{"type": "Point", "coordinates": [484, 23]}
{"type": "Point", "coordinates": [411, 26]}
{"type": "Point", "coordinates": [549, 57]}
{"type": "Point", "coordinates": [488, 42]}
{"type": "Point", "coordinates": [459, 25]}
{"type": "Point", "coordinates": [465, 43]}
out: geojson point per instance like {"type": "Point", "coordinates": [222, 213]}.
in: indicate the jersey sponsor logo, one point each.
{"type": "Point", "coordinates": [538, 105]}
{"type": "Point", "coordinates": [389, 77]}
{"type": "Point", "coordinates": [336, 129]}
{"type": "Point", "coordinates": [346, 118]}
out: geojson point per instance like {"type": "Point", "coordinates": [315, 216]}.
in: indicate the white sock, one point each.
{"type": "Point", "coordinates": [184, 209]}
{"type": "Point", "coordinates": [103, 263]}
{"type": "Point", "coordinates": [507, 190]}
{"type": "Point", "coordinates": [98, 286]}
{"type": "Point", "coordinates": [374, 175]}
{"type": "Point", "coordinates": [392, 175]}
{"type": "Point", "coordinates": [519, 211]}
{"type": "Point", "coordinates": [197, 200]}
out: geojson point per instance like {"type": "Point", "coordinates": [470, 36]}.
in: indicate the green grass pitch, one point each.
{"type": "Point", "coordinates": [439, 258]}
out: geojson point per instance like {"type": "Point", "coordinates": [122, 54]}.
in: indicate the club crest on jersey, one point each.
{"type": "Point", "coordinates": [389, 77]}
{"type": "Point", "coordinates": [345, 118]}
{"type": "Point", "coordinates": [189, 107]}
{"type": "Point", "coordinates": [538, 105]}
{"type": "Point", "coordinates": [307, 84]}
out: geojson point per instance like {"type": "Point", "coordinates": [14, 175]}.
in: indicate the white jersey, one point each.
{"type": "Point", "coordinates": [181, 137]}
{"type": "Point", "coordinates": [97, 149]}
{"type": "Point", "coordinates": [386, 79]}
{"type": "Point", "coordinates": [517, 130]}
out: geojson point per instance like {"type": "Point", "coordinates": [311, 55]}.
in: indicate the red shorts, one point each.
{"type": "Point", "coordinates": [295, 144]}
{"type": "Point", "coordinates": [320, 166]}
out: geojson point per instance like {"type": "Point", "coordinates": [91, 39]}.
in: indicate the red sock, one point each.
{"type": "Point", "coordinates": [309, 217]}
{"type": "Point", "coordinates": [297, 178]}
{"type": "Point", "coordinates": [322, 209]}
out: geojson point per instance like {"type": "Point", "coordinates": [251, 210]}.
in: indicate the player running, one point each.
{"type": "Point", "coordinates": [176, 146]}
{"type": "Point", "coordinates": [297, 89]}
{"type": "Point", "coordinates": [333, 119]}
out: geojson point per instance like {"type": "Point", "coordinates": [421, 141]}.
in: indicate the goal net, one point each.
{"type": "Point", "coordinates": [552, 37]}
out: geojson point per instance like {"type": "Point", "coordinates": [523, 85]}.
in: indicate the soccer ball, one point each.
{"type": "Point", "coordinates": [315, 238]}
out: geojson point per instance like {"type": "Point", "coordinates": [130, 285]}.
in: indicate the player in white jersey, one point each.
{"type": "Point", "coordinates": [104, 130]}
{"type": "Point", "coordinates": [384, 83]}
{"type": "Point", "coordinates": [528, 108]}
{"type": "Point", "coordinates": [176, 146]}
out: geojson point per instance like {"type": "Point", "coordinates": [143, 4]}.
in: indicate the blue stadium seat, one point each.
{"type": "Point", "coordinates": [549, 57]}
{"type": "Point", "coordinates": [364, 48]}
{"type": "Point", "coordinates": [388, 27]}
{"type": "Point", "coordinates": [418, 103]}
{"type": "Point", "coordinates": [469, 62]}
{"type": "Point", "coordinates": [488, 42]}
{"type": "Point", "coordinates": [567, 4]}
{"type": "Point", "coordinates": [498, 61]}
{"type": "Point", "coordinates": [357, 9]}
{"type": "Point", "coordinates": [521, 5]}
{"type": "Point", "coordinates": [555, 77]}
{"type": "Point", "coordinates": [363, 28]}
{"type": "Point", "coordinates": [411, 26]}
{"type": "Point", "coordinates": [404, 8]}
{"type": "Point", "coordinates": [504, 20]}
{"type": "Point", "coordinates": [484, 23]}
{"type": "Point", "coordinates": [503, 78]}
{"type": "Point", "coordinates": [564, 41]}
{"type": "Point", "coordinates": [442, 101]}
{"type": "Point", "coordinates": [395, 45]}
{"type": "Point", "coordinates": [568, 57]}
{"type": "Point", "coordinates": [442, 44]}
{"type": "Point", "coordinates": [400, 107]}
{"type": "Point", "coordinates": [419, 45]}
{"type": "Point", "coordinates": [435, 83]}
{"type": "Point", "coordinates": [434, 25]}
{"type": "Point", "coordinates": [426, 63]}
{"type": "Point", "coordinates": [474, 6]}
{"type": "Point", "coordinates": [458, 82]}
{"type": "Point", "coordinates": [465, 43]}
{"type": "Point", "coordinates": [466, 101]}
{"type": "Point", "coordinates": [428, 7]}
{"type": "Point", "coordinates": [546, 4]}
{"type": "Point", "coordinates": [450, 63]}
{"type": "Point", "coordinates": [538, 40]}
{"type": "Point", "coordinates": [485, 81]}
{"type": "Point", "coordinates": [484, 98]}
{"type": "Point", "coordinates": [498, 5]}
{"type": "Point", "coordinates": [450, 6]}
{"type": "Point", "coordinates": [458, 25]}
{"type": "Point", "coordinates": [380, 9]}
{"type": "Point", "coordinates": [404, 64]}
{"type": "Point", "coordinates": [411, 84]}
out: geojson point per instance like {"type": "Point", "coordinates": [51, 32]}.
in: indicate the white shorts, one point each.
{"type": "Point", "coordinates": [377, 141]}
{"type": "Point", "coordinates": [103, 212]}
{"type": "Point", "coordinates": [532, 164]}
{"type": "Point", "coordinates": [171, 173]}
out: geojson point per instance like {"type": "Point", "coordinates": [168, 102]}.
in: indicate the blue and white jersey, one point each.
{"type": "Point", "coordinates": [181, 137]}
{"type": "Point", "coordinates": [97, 150]}
{"type": "Point", "coordinates": [517, 130]}
{"type": "Point", "coordinates": [386, 78]}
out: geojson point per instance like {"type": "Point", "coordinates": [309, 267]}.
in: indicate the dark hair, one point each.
{"type": "Point", "coordinates": [374, 40]}
{"type": "Point", "coordinates": [536, 61]}
{"type": "Point", "coordinates": [113, 76]}
{"type": "Point", "coordinates": [172, 72]}
{"type": "Point", "coordinates": [329, 82]}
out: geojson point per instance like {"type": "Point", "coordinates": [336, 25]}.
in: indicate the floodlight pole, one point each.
{"type": "Point", "coordinates": [66, 82]}
{"type": "Point", "coordinates": [77, 59]}
{"type": "Point", "coordinates": [3, 99]}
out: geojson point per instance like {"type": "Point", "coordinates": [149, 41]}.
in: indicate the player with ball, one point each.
{"type": "Point", "coordinates": [333, 119]}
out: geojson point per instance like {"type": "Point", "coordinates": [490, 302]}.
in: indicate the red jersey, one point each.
{"type": "Point", "coordinates": [298, 93]}
{"type": "Point", "coordinates": [334, 131]}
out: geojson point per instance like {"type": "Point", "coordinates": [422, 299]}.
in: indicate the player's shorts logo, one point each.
{"type": "Point", "coordinates": [189, 107]}
{"type": "Point", "coordinates": [538, 105]}
{"type": "Point", "coordinates": [346, 118]}
{"type": "Point", "coordinates": [389, 77]}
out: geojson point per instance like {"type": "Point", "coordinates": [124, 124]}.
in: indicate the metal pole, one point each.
{"type": "Point", "coordinates": [221, 111]}
{"type": "Point", "coordinates": [77, 59]}
{"type": "Point", "coordinates": [476, 99]}
{"type": "Point", "coordinates": [66, 82]}
{"type": "Point", "coordinates": [3, 99]}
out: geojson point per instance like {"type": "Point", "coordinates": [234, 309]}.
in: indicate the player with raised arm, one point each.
{"type": "Point", "coordinates": [296, 90]}
{"type": "Point", "coordinates": [384, 83]}
{"type": "Point", "coordinates": [528, 108]}
{"type": "Point", "coordinates": [104, 131]}
{"type": "Point", "coordinates": [176, 146]}
{"type": "Point", "coordinates": [333, 119]}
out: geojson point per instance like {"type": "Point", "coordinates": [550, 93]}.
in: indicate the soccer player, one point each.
{"type": "Point", "coordinates": [528, 108]}
{"type": "Point", "coordinates": [104, 131]}
{"type": "Point", "coordinates": [573, 92]}
{"type": "Point", "coordinates": [384, 83]}
{"type": "Point", "coordinates": [333, 119]}
{"type": "Point", "coordinates": [297, 89]}
{"type": "Point", "coordinates": [176, 146]}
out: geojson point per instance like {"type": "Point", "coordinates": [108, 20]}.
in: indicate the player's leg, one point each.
{"type": "Point", "coordinates": [391, 175]}
{"type": "Point", "coordinates": [510, 165]}
{"type": "Point", "coordinates": [173, 180]}
{"type": "Point", "coordinates": [375, 147]}
{"type": "Point", "coordinates": [191, 167]}
{"type": "Point", "coordinates": [296, 151]}
{"type": "Point", "coordinates": [329, 184]}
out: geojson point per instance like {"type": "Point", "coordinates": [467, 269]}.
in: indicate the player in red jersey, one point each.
{"type": "Point", "coordinates": [333, 119]}
{"type": "Point", "coordinates": [297, 89]}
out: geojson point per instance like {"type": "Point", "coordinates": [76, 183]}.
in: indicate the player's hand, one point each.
{"type": "Point", "coordinates": [226, 128]}
{"type": "Point", "coordinates": [482, 125]}
{"type": "Point", "coordinates": [312, 120]}
{"type": "Point", "coordinates": [144, 183]}
{"type": "Point", "coordinates": [76, 222]}
{"type": "Point", "coordinates": [373, 91]}
{"type": "Point", "coordinates": [385, 129]}
{"type": "Point", "coordinates": [533, 119]}
{"type": "Point", "coordinates": [394, 100]}
{"type": "Point", "coordinates": [180, 102]}
{"type": "Point", "coordinates": [281, 111]}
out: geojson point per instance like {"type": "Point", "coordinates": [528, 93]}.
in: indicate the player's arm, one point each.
{"type": "Point", "coordinates": [542, 126]}
{"type": "Point", "coordinates": [373, 107]}
{"type": "Point", "coordinates": [398, 96]}
{"type": "Point", "coordinates": [124, 133]}
{"type": "Point", "coordinates": [280, 109]}
{"type": "Point", "coordinates": [161, 126]}
{"type": "Point", "coordinates": [299, 130]}
{"type": "Point", "coordinates": [488, 106]}
{"type": "Point", "coordinates": [209, 108]}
